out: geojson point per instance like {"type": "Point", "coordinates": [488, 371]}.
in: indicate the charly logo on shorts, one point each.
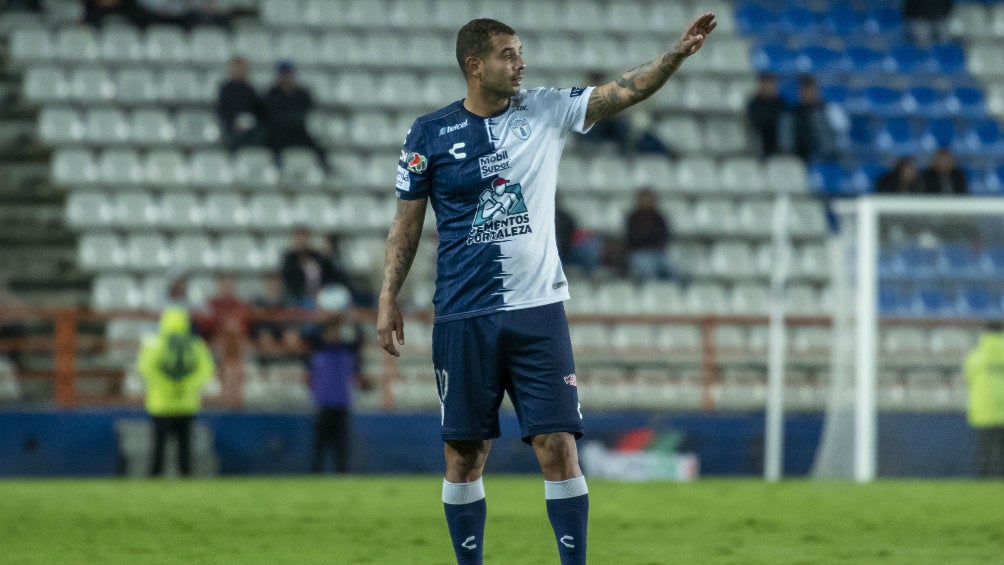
{"type": "Point", "coordinates": [501, 213]}
{"type": "Point", "coordinates": [571, 380]}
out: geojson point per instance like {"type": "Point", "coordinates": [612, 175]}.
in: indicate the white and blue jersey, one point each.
{"type": "Point", "coordinates": [491, 182]}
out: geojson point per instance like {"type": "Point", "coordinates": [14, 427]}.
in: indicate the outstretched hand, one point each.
{"type": "Point", "coordinates": [694, 36]}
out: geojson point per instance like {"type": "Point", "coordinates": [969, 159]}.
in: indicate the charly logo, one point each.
{"type": "Point", "coordinates": [456, 150]}
{"type": "Point", "coordinates": [469, 543]}
{"type": "Point", "coordinates": [520, 128]}
{"type": "Point", "coordinates": [571, 380]}
{"type": "Point", "coordinates": [567, 541]}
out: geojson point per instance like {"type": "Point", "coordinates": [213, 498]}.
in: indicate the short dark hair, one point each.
{"type": "Point", "coordinates": [474, 39]}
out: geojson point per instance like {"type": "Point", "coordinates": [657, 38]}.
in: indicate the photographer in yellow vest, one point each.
{"type": "Point", "coordinates": [175, 364]}
{"type": "Point", "coordinates": [984, 370]}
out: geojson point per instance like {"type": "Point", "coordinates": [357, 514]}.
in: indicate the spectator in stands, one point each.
{"type": "Point", "coordinates": [304, 269]}
{"type": "Point", "coordinates": [943, 175]}
{"type": "Point", "coordinates": [807, 129]}
{"type": "Point", "coordinates": [764, 111]}
{"type": "Point", "coordinates": [95, 12]}
{"type": "Point", "coordinates": [927, 20]}
{"type": "Point", "coordinates": [226, 326]}
{"type": "Point", "coordinates": [11, 303]}
{"type": "Point", "coordinates": [576, 245]}
{"type": "Point", "coordinates": [273, 339]}
{"type": "Point", "coordinates": [628, 133]}
{"type": "Point", "coordinates": [902, 178]}
{"type": "Point", "coordinates": [647, 237]}
{"type": "Point", "coordinates": [20, 6]}
{"type": "Point", "coordinates": [287, 105]}
{"type": "Point", "coordinates": [335, 347]}
{"type": "Point", "coordinates": [984, 371]}
{"type": "Point", "coordinates": [177, 289]}
{"type": "Point", "coordinates": [175, 363]}
{"type": "Point", "coordinates": [239, 108]}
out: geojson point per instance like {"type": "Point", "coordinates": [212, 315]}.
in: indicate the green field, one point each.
{"type": "Point", "coordinates": [390, 520]}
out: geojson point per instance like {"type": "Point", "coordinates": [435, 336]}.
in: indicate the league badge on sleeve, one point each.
{"type": "Point", "coordinates": [417, 162]}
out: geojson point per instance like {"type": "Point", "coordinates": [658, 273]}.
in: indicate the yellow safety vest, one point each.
{"type": "Point", "coordinates": [175, 364]}
{"type": "Point", "coordinates": [984, 370]}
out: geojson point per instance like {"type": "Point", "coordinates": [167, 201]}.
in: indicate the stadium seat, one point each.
{"type": "Point", "coordinates": [186, 86]}
{"type": "Point", "coordinates": [298, 46]}
{"type": "Point", "coordinates": [892, 301]}
{"type": "Point", "coordinates": [786, 174]}
{"type": "Point", "coordinates": [980, 300]}
{"type": "Point", "coordinates": [755, 19]}
{"type": "Point", "coordinates": [151, 126]}
{"type": "Point", "coordinates": [802, 299]}
{"type": "Point", "coordinates": [106, 126]}
{"type": "Point", "coordinates": [925, 101]}
{"type": "Point", "coordinates": [684, 132]}
{"type": "Point", "coordinates": [194, 127]}
{"type": "Point", "coordinates": [167, 45]}
{"type": "Point", "coordinates": [969, 102]}
{"type": "Point", "coordinates": [732, 260]}
{"type": "Point", "coordinates": [970, 20]}
{"type": "Point", "coordinates": [753, 217]}
{"type": "Point", "coordinates": [828, 178]}
{"type": "Point", "coordinates": [254, 43]}
{"type": "Point", "coordinates": [341, 47]}
{"type": "Point", "coordinates": [88, 209]}
{"type": "Point", "coordinates": [210, 168]}
{"type": "Point", "coordinates": [74, 167]}
{"type": "Point", "coordinates": [270, 212]}
{"type": "Point", "coordinates": [316, 211]}
{"type": "Point", "coordinates": [99, 251]}
{"type": "Point", "coordinates": [147, 252]}
{"type": "Point", "coordinates": [30, 46]}
{"type": "Point", "coordinates": [254, 167]}
{"type": "Point", "coordinates": [706, 298]}
{"type": "Point", "coordinates": [136, 86]}
{"type": "Point", "coordinates": [806, 218]}
{"type": "Point", "coordinates": [632, 337]}
{"type": "Point", "coordinates": [166, 167]}
{"type": "Point", "coordinates": [986, 59]}
{"type": "Point", "coordinates": [817, 59]}
{"type": "Point", "coordinates": [195, 252]}
{"type": "Point", "coordinates": [210, 46]}
{"type": "Point", "coordinates": [725, 136]}
{"type": "Point", "coordinates": [45, 85]}
{"type": "Point", "coordinates": [743, 175]}
{"type": "Point", "coordinates": [300, 168]}
{"type": "Point", "coordinates": [697, 174]}
{"type": "Point", "coordinates": [933, 301]}
{"type": "Point", "coordinates": [948, 59]}
{"type": "Point", "coordinates": [226, 210]}
{"type": "Point", "coordinates": [239, 252]}
{"type": "Point", "coordinates": [678, 338]}
{"type": "Point", "coordinates": [135, 209]}
{"type": "Point", "coordinates": [750, 298]}
{"type": "Point", "coordinates": [91, 85]}
{"type": "Point", "coordinates": [59, 125]}
{"type": "Point", "coordinates": [77, 44]}
{"type": "Point", "coordinates": [121, 44]}
{"type": "Point", "coordinates": [897, 137]}
{"type": "Point", "coordinates": [661, 297]}
{"type": "Point", "coordinates": [120, 166]}
{"type": "Point", "coordinates": [115, 291]}
{"type": "Point", "coordinates": [713, 216]}
{"type": "Point", "coordinates": [181, 210]}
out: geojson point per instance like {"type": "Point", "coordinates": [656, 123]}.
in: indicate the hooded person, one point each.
{"type": "Point", "coordinates": [176, 364]}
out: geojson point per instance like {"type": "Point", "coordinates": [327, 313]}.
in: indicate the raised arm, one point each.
{"type": "Point", "coordinates": [402, 243]}
{"type": "Point", "coordinates": [642, 81]}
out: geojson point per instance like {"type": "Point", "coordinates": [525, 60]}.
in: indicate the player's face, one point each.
{"type": "Point", "coordinates": [502, 72]}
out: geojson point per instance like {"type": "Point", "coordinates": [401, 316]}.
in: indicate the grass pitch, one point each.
{"type": "Point", "coordinates": [399, 520]}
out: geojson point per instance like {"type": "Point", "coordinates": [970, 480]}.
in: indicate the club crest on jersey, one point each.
{"type": "Point", "coordinates": [501, 213]}
{"type": "Point", "coordinates": [416, 162]}
{"type": "Point", "coordinates": [520, 128]}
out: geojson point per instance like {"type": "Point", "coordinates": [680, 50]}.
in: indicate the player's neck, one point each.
{"type": "Point", "coordinates": [484, 105]}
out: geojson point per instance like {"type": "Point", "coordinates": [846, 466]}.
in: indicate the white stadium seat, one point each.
{"type": "Point", "coordinates": [742, 175]}
{"type": "Point", "coordinates": [115, 291]}
{"type": "Point", "coordinates": [239, 252]}
{"type": "Point", "coordinates": [147, 252]}
{"type": "Point", "coordinates": [120, 166]}
{"type": "Point", "coordinates": [88, 209]}
{"type": "Point", "coordinates": [100, 251]}
{"type": "Point", "coordinates": [106, 126]}
{"type": "Point", "coordinates": [226, 210]}
{"type": "Point", "coordinates": [30, 45]}
{"type": "Point", "coordinates": [210, 46]}
{"type": "Point", "coordinates": [270, 211]}
{"type": "Point", "coordinates": [166, 167]}
{"type": "Point", "coordinates": [120, 44]}
{"type": "Point", "coordinates": [151, 126]}
{"type": "Point", "coordinates": [196, 127]}
{"type": "Point", "coordinates": [91, 85]}
{"type": "Point", "coordinates": [45, 85]}
{"type": "Point", "coordinates": [254, 167]}
{"type": "Point", "coordinates": [316, 211]}
{"type": "Point", "coordinates": [133, 209]}
{"type": "Point", "coordinates": [210, 168]}
{"type": "Point", "coordinates": [181, 210]}
{"type": "Point", "coordinates": [194, 251]}
{"type": "Point", "coordinates": [57, 125]}
{"type": "Point", "coordinates": [136, 85]}
{"type": "Point", "coordinates": [77, 44]}
{"type": "Point", "coordinates": [73, 167]}
{"type": "Point", "coordinates": [167, 44]}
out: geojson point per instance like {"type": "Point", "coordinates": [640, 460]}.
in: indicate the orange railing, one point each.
{"type": "Point", "coordinates": [60, 334]}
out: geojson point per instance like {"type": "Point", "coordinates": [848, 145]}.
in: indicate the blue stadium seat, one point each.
{"type": "Point", "coordinates": [948, 59]}
{"type": "Point", "coordinates": [774, 58]}
{"type": "Point", "coordinates": [933, 301]}
{"type": "Point", "coordinates": [958, 260]}
{"type": "Point", "coordinates": [908, 59]}
{"type": "Point", "coordinates": [828, 178]}
{"type": "Point", "coordinates": [892, 301]}
{"type": "Point", "coordinates": [864, 176]}
{"type": "Point", "coordinates": [980, 300]}
{"type": "Point", "coordinates": [919, 262]}
{"type": "Point", "coordinates": [969, 102]}
{"type": "Point", "coordinates": [860, 59]}
{"type": "Point", "coordinates": [883, 20]}
{"type": "Point", "coordinates": [836, 93]}
{"type": "Point", "coordinates": [994, 257]}
{"type": "Point", "coordinates": [817, 59]}
{"type": "Point", "coordinates": [985, 138]}
{"type": "Point", "coordinates": [939, 132]}
{"type": "Point", "coordinates": [884, 101]}
{"type": "Point", "coordinates": [797, 20]}
{"type": "Point", "coordinates": [755, 19]}
{"type": "Point", "coordinates": [841, 20]}
{"type": "Point", "coordinates": [926, 101]}
{"type": "Point", "coordinates": [896, 136]}
{"type": "Point", "coordinates": [861, 134]}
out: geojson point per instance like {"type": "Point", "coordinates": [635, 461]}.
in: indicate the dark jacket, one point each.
{"type": "Point", "coordinates": [647, 229]}
{"type": "Point", "coordinates": [236, 98]}
{"type": "Point", "coordinates": [763, 114]}
{"type": "Point", "coordinates": [954, 182]}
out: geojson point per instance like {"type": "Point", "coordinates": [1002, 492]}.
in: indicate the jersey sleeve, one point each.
{"type": "Point", "coordinates": [570, 107]}
{"type": "Point", "coordinates": [413, 178]}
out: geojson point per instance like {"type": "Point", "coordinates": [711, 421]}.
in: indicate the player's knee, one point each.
{"type": "Point", "coordinates": [557, 454]}
{"type": "Point", "coordinates": [465, 460]}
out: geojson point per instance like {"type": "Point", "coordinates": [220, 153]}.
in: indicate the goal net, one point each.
{"type": "Point", "coordinates": [914, 280]}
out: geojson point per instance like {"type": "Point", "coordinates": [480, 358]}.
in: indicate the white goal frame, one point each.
{"type": "Point", "coordinates": [861, 219]}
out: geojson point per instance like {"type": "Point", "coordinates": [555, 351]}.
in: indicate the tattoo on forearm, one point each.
{"type": "Point", "coordinates": [402, 244]}
{"type": "Point", "coordinates": [634, 85]}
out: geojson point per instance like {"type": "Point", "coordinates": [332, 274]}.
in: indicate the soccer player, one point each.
{"type": "Point", "coordinates": [489, 163]}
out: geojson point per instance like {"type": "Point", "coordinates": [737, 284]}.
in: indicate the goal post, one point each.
{"type": "Point", "coordinates": [850, 431]}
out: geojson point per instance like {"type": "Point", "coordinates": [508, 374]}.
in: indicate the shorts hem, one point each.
{"type": "Point", "coordinates": [576, 430]}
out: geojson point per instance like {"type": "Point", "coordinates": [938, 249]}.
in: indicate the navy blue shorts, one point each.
{"type": "Point", "coordinates": [526, 353]}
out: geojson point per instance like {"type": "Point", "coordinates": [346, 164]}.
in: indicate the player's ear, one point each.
{"type": "Point", "coordinates": [473, 66]}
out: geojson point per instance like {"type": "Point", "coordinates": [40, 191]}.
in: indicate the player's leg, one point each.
{"type": "Point", "coordinates": [159, 446]}
{"type": "Point", "coordinates": [183, 435]}
{"type": "Point", "coordinates": [467, 378]}
{"type": "Point", "coordinates": [545, 394]}
{"type": "Point", "coordinates": [340, 440]}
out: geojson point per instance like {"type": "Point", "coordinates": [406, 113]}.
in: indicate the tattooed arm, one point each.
{"type": "Point", "coordinates": [402, 243]}
{"type": "Point", "coordinates": [641, 82]}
